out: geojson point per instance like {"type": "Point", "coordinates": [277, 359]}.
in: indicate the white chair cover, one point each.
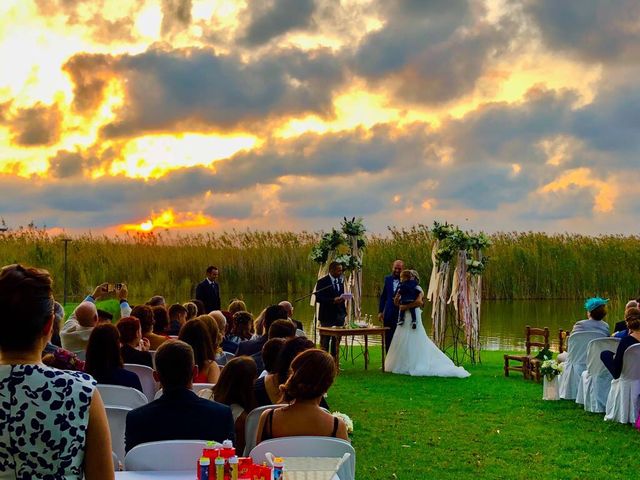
{"type": "Point", "coordinates": [167, 455]}
{"type": "Point", "coordinates": [145, 374]}
{"type": "Point", "coordinates": [251, 426]}
{"type": "Point", "coordinates": [622, 402]}
{"type": "Point", "coordinates": [119, 396]}
{"type": "Point", "coordinates": [309, 447]}
{"type": "Point", "coordinates": [117, 417]}
{"type": "Point", "coordinates": [576, 363]}
{"type": "Point", "coordinates": [593, 390]}
{"type": "Point", "coordinates": [196, 387]}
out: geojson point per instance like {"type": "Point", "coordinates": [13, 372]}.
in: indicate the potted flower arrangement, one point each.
{"type": "Point", "coordinates": [550, 369]}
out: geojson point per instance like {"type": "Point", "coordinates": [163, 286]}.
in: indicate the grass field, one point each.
{"type": "Point", "coordinates": [485, 426]}
{"type": "Point", "coordinates": [524, 265]}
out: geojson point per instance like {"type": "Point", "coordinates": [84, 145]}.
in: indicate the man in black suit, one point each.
{"type": "Point", "coordinates": [179, 414]}
{"type": "Point", "coordinates": [208, 291]}
{"type": "Point", "coordinates": [333, 310]}
{"type": "Point", "coordinates": [387, 310]}
{"type": "Point", "coordinates": [251, 347]}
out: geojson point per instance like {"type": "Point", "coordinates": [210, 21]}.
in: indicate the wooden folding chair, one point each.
{"type": "Point", "coordinates": [529, 366]}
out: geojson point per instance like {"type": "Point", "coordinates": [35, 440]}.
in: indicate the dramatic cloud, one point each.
{"type": "Point", "coordinates": [270, 19]}
{"type": "Point", "coordinates": [37, 125]}
{"type": "Point", "coordinates": [176, 16]}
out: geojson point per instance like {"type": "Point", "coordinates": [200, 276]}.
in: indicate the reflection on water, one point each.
{"type": "Point", "coordinates": [503, 322]}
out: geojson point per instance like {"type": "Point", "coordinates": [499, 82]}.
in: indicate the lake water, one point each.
{"type": "Point", "coordinates": [502, 322]}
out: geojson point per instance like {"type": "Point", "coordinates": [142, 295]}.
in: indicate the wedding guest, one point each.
{"type": "Point", "coordinates": [192, 310]}
{"type": "Point", "coordinates": [196, 334]}
{"type": "Point", "coordinates": [614, 363]}
{"type": "Point", "coordinates": [58, 320]}
{"type": "Point", "coordinates": [155, 331]}
{"type": "Point", "coordinates": [596, 308]}
{"type": "Point", "coordinates": [312, 374]}
{"type": "Point", "coordinates": [236, 306]}
{"type": "Point", "coordinates": [289, 309]}
{"type": "Point", "coordinates": [201, 310]}
{"type": "Point", "coordinates": [272, 313]}
{"type": "Point", "coordinates": [30, 405]}
{"type": "Point", "coordinates": [178, 414]}
{"type": "Point", "coordinates": [157, 301]}
{"type": "Point", "coordinates": [242, 327]}
{"type": "Point", "coordinates": [221, 357]}
{"type": "Point", "coordinates": [104, 316]}
{"type": "Point", "coordinates": [235, 389]}
{"type": "Point", "coordinates": [258, 325]}
{"type": "Point", "coordinates": [104, 361]}
{"type": "Point", "coordinates": [178, 316]}
{"type": "Point", "coordinates": [55, 356]}
{"type": "Point", "coordinates": [621, 330]}
{"type": "Point", "coordinates": [279, 329]}
{"type": "Point", "coordinates": [266, 387]}
{"type": "Point", "coordinates": [135, 348]}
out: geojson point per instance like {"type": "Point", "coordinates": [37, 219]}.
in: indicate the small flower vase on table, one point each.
{"type": "Point", "coordinates": [550, 389]}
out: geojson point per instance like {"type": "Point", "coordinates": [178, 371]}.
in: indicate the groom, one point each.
{"type": "Point", "coordinates": [387, 311]}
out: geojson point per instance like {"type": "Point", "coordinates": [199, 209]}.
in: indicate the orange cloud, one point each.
{"type": "Point", "coordinates": [605, 195]}
{"type": "Point", "coordinates": [168, 219]}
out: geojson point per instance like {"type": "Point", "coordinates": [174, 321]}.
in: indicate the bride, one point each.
{"type": "Point", "coordinates": [412, 352]}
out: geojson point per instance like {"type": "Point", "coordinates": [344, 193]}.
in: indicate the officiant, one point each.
{"type": "Point", "coordinates": [333, 310]}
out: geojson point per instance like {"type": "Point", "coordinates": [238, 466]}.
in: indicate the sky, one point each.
{"type": "Point", "coordinates": [212, 115]}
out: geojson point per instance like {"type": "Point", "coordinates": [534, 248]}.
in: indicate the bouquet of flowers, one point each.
{"type": "Point", "coordinates": [347, 421]}
{"type": "Point", "coordinates": [441, 230]}
{"type": "Point", "coordinates": [476, 267]}
{"type": "Point", "coordinates": [551, 368]}
{"type": "Point", "coordinates": [480, 241]}
{"type": "Point", "coordinates": [349, 262]}
{"type": "Point", "coordinates": [353, 227]}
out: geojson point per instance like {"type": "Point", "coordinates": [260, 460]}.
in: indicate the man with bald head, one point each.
{"type": "Point", "coordinates": [387, 310]}
{"type": "Point", "coordinates": [289, 308]}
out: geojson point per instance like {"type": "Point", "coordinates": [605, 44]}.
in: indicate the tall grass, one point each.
{"type": "Point", "coordinates": [522, 265]}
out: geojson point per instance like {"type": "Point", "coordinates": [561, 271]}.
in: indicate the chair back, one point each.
{"type": "Point", "coordinates": [251, 426]}
{"type": "Point", "coordinates": [563, 335]}
{"type": "Point", "coordinates": [309, 447]}
{"type": "Point", "coordinates": [145, 374]}
{"type": "Point", "coordinates": [595, 367]}
{"type": "Point", "coordinates": [631, 363]}
{"type": "Point", "coordinates": [195, 388]}
{"type": "Point", "coordinates": [117, 418]}
{"type": "Point", "coordinates": [536, 337]}
{"type": "Point", "coordinates": [577, 346]}
{"type": "Point", "coordinates": [166, 455]}
{"type": "Point", "coordinates": [119, 396]}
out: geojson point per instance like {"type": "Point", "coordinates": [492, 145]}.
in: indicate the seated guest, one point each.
{"type": "Point", "coordinates": [270, 353]}
{"type": "Point", "coordinates": [178, 414]}
{"type": "Point", "coordinates": [235, 389]}
{"type": "Point", "coordinates": [312, 373]}
{"type": "Point", "coordinates": [596, 310]}
{"type": "Point", "coordinates": [76, 330]}
{"type": "Point", "coordinates": [271, 314]}
{"type": "Point", "coordinates": [104, 362]}
{"type": "Point", "coordinates": [289, 308]}
{"type": "Point", "coordinates": [269, 391]}
{"type": "Point", "coordinates": [621, 330]}
{"type": "Point", "coordinates": [53, 422]}
{"type": "Point", "coordinates": [55, 356]}
{"type": "Point", "coordinates": [196, 333]}
{"type": "Point", "coordinates": [258, 325]}
{"type": "Point", "coordinates": [279, 329]}
{"type": "Point", "coordinates": [58, 320]}
{"type": "Point", "coordinates": [155, 331]}
{"type": "Point", "coordinates": [221, 357]}
{"type": "Point", "coordinates": [236, 306]}
{"type": "Point", "coordinates": [200, 310]}
{"type": "Point", "coordinates": [156, 301]}
{"type": "Point", "coordinates": [134, 348]}
{"type": "Point", "coordinates": [613, 362]}
{"type": "Point", "coordinates": [178, 316]}
{"type": "Point", "coordinates": [104, 316]}
{"type": "Point", "coordinates": [242, 327]}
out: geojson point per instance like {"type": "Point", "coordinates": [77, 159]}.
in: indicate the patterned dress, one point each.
{"type": "Point", "coordinates": [44, 415]}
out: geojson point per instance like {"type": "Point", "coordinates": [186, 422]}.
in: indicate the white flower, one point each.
{"type": "Point", "coordinates": [345, 418]}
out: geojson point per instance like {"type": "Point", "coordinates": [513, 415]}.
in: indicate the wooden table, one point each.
{"type": "Point", "coordinates": [339, 332]}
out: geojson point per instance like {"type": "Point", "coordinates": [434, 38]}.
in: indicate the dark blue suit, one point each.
{"type": "Point", "coordinates": [388, 309]}
{"type": "Point", "coordinates": [209, 294]}
{"type": "Point", "coordinates": [179, 414]}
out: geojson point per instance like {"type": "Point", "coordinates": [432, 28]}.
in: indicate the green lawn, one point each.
{"type": "Point", "coordinates": [485, 426]}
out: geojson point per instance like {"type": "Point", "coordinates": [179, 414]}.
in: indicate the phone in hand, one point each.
{"type": "Point", "coordinates": [113, 287]}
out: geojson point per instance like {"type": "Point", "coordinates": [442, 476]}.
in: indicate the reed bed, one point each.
{"type": "Point", "coordinates": [523, 265]}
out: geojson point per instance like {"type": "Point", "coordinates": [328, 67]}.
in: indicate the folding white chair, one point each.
{"type": "Point", "coordinates": [117, 416]}
{"type": "Point", "coordinates": [167, 455]}
{"type": "Point", "coordinates": [145, 374]}
{"type": "Point", "coordinates": [196, 387]}
{"type": "Point", "coordinates": [251, 426]}
{"type": "Point", "coordinates": [596, 379]}
{"type": "Point", "coordinates": [309, 447]}
{"type": "Point", "coordinates": [576, 363]}
{"type": "Point", "coordinates": [622, 402]}
{"type": "Point", "coordinates": [119, 396]}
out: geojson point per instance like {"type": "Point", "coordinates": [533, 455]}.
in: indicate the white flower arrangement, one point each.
{"type": "Point", "coordinates": [551, 368]}
{"type": "Point", "coordinates": [346, 419]}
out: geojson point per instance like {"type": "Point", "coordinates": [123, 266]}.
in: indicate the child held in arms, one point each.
{"type": "Point", "coordinates": [409, 292]}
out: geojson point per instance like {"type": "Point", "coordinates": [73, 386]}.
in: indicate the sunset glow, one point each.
{"type": "Point", "coordinates": [212, 114]}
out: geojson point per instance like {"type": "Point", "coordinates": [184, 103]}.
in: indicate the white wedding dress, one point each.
{"type": "Point", "coordinates": [413, 353]}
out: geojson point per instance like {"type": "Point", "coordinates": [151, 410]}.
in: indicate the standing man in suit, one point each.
{"type": "Point", "coordinates": [208, 291]}
{"type": "Point", "coordinates": [333, 310]}
{"type": "Point", "coordinates": [387, 310]}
